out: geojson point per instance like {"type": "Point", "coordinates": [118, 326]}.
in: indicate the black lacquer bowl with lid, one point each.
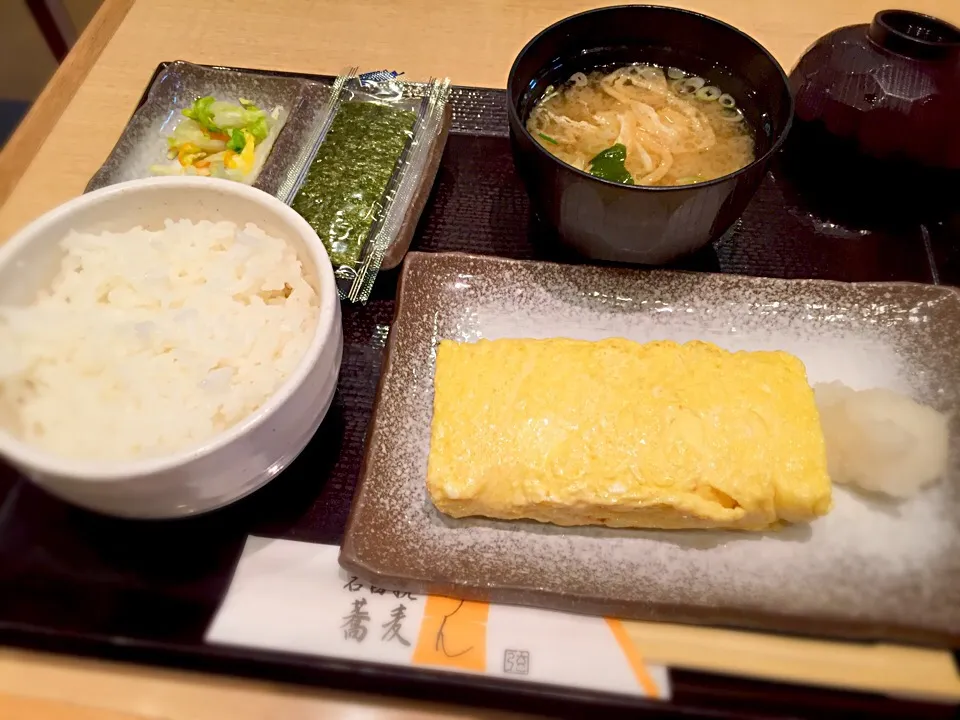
{"type": "Point", "coordinates": [877, 125]}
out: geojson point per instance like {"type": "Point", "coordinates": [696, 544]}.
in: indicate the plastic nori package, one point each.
{"type": "Point", "coordinates": [371, 171]}
{"type": "Point", "coordinates": [298, 169]}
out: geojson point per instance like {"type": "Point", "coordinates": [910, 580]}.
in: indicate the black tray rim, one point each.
{"type": "Point", "coordinates": [384, 681]}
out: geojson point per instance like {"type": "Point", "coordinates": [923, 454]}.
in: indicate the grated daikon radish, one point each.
{"type": "Point", "coordinates": [880, 440]}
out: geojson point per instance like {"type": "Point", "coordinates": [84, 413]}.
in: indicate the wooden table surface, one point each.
{"type": "Point", "coordinates": [75, 123]}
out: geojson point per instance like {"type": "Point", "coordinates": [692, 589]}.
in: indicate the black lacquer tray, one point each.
{"type": "Point", "coordinates": [74, 582]}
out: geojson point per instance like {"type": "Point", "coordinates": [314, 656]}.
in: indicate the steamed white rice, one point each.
{"type": "Point", "coordinates": [149, 342]}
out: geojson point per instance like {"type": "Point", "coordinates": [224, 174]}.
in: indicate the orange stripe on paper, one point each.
{"type": "Point", "coordinates": [453, 634]}
{"type": "Point", "coordinates": [634, 658]}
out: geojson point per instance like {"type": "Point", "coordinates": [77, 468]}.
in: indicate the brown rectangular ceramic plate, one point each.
{"type": "Point", "coordinates": [871, 569]}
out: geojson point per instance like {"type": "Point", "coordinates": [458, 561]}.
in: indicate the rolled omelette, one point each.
{"type": "Point", "coordinates": [627, 435]}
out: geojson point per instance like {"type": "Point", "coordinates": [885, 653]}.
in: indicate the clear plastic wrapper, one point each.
{"type": "Point", "coordinates": [369, 173]}
{"type": "Point", "coordinates": [301, 164]}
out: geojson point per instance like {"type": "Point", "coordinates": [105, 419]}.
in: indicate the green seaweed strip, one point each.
{"type": "Point", "coordinates": [403, 186]}
{"type": "Point", "coordinates": [343, 191]}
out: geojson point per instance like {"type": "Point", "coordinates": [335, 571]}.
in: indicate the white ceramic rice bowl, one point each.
{"type": "Point", "coordinates": [235, 462]}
